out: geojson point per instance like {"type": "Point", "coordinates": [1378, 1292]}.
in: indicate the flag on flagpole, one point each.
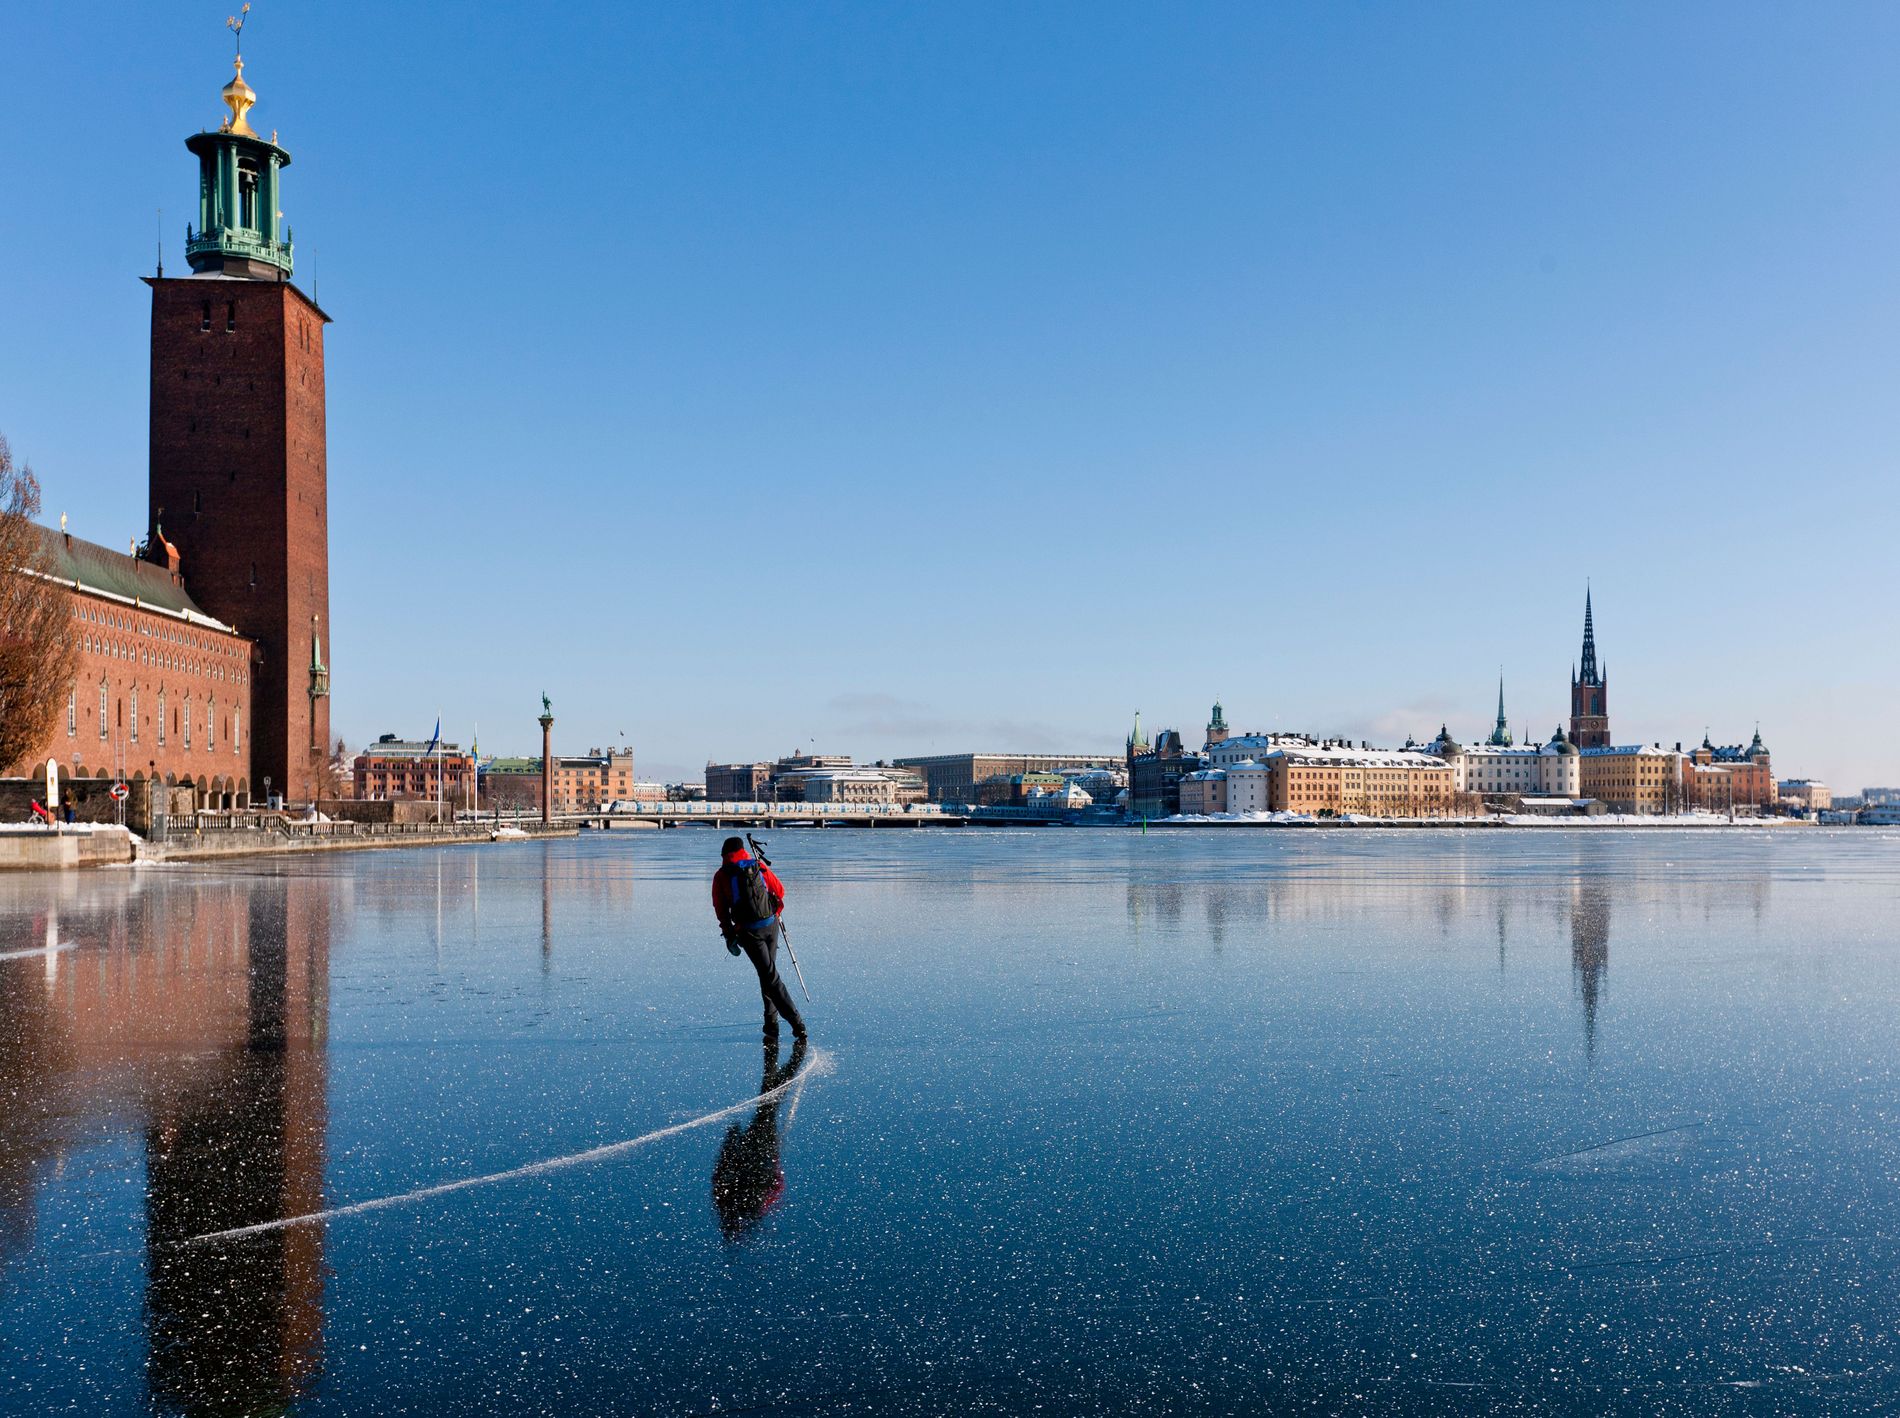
{"type": "Point", "coordinates": [434, 738]}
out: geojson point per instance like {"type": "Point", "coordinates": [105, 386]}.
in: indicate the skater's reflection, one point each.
{"type": "Point", "coordinates": [747, 1180]}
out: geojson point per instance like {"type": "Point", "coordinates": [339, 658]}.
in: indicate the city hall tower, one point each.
{"type": "Point", "coordinates": [238, 464]}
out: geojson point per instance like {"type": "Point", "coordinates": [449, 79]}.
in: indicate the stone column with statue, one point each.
{"type": "Point", "coordinates": [547, 760]}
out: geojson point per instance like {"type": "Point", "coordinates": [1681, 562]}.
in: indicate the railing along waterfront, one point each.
{"type": "Point", "coordinates": [204, 827]}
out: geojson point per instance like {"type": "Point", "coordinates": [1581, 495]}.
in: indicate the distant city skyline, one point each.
{"type": "Point", "coordinates": [1000, 375]}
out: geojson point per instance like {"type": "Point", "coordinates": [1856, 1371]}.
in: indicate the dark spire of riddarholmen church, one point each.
{"type": "Point", "coordinates": [1589, 689]}
{"type": "Point", "coordinates": [1589, 673]}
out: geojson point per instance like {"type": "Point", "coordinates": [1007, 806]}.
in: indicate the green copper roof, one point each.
{"type": "Point", "coordinates": [114, 573]}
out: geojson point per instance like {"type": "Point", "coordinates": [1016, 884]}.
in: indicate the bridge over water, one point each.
{"type": "Point", "coordinates": [729, 814]}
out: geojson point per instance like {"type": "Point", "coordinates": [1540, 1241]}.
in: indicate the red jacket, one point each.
{"type": "Point", "coordinates": [722, 888]}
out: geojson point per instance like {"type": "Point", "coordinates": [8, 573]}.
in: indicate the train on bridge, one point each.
{"type": "Point", "coordinates": [658, 813]}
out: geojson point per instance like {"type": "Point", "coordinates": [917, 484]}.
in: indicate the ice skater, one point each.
{"type": "Point", "coordinates": [748, 898]}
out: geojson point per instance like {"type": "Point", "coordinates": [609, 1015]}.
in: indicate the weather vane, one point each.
{"type": "Point", "coordinates": [236, 25]}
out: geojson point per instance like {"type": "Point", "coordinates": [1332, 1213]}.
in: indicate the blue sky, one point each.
{"type": "Point", "coordinates": [917, 378]}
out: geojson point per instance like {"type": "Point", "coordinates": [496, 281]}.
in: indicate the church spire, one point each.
{"type": "Point", "coordinates": [1500, 732]}
{"type": "Point", "coordinates": [1589, 689]}
{"type": "Point", "coordinates": [1588, 673]}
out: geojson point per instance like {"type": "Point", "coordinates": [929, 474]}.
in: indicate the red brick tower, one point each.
{"type": "Point", "coordinates": [238, 471]}
{"type": "Point", "coordinates": [1589, 692]}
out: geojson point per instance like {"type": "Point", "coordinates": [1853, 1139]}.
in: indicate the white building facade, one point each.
{"type": "Point", "coordinates": [1492, 769]}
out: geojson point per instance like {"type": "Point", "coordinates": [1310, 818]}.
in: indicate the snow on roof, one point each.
{"type": "Point", "coordinates": [1517, 750]}
{"type": "Point", "coordinates": [1346, 756]}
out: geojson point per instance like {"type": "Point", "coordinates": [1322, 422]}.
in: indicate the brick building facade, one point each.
{"type": "Point", "coordinates": [586, 781]}
{"type": "Point", "coordinates": [582, 782]}
{"type": "Point", "coordinates": [1732, 777]}
{"type": "Point", "coordinates": [394, 769]}
{"type": "Point", "coordinates": [239, 486]}
{"type": "Point", "coordinates": [162, 690]}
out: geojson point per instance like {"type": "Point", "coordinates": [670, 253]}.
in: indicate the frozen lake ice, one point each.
{"type": "Point", "coordinates": [1191, 1122]}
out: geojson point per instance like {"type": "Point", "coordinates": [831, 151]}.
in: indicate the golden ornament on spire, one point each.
{"type": "Point", "coordinates": [239, 96]}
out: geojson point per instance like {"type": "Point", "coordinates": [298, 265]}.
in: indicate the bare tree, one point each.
{"type": "Point", "coordinates": [513, 792]}
{"type": "Point", "coordinates": [38, 652]}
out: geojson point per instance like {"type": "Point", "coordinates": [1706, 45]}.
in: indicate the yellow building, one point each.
{"type": "Point", "coordinates": [1633, 778]}
{"type": "Point", "coordinates": [1332, 777]}
{"type": "Point", "coordinates": [588, 781]}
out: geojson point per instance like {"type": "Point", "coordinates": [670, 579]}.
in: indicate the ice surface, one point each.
{"type": "Point", "coordinates": [1195, 1121]}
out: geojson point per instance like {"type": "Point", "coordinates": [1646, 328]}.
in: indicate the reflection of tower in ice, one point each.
{"type": "Point", "coordinates": [239, 1327]}
{"type": "Point", "coordinates": [547, 912]}
{"type": "Point", "coordinates": [1159, 901]}
{"type": "Point", "coordinates": [1589, 949]}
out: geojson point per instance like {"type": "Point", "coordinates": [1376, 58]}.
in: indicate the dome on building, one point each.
{"type": "Point", "coordinates": [1560, 744]}
{"type": "Point", "coordinates": [1445, 746]}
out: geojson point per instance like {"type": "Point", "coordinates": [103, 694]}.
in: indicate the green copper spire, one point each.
{"type": "Point", "coordinates": [1137, 740]}
{"type": "Point", "coordinates": [237, 231]}
{"type": "Point", "coordinates": [319, 672]}
{"type": "Point", "coordinates": [1500, 734]}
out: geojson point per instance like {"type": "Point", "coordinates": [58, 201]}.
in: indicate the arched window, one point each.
{"type": "Point", "coordinates": [135, 713]}
{"type": "Point", "coordinates": [161, 718]}
{"type": "Point", "coordinates": [185, 720]}
{"type": "Point", "coordinates": [72, 713]}
{"type": "Point", "coordinates": [105, 711]}
{"type": "Point", "coordinates": [237, 733]}
{"type": "Point", "coordinates": [211, 724]}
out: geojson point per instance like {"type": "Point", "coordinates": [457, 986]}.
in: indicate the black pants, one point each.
{"type": "Point", "coordinates": [761, 948]}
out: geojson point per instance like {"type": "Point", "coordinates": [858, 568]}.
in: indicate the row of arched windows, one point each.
{"type": "Point", "coordinates": [170, 648]}
{"type": "Point", "coordinates": [180, 721]}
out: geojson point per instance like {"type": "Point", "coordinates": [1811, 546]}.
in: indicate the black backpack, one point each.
{"type": "Point", "coordinates": [751, 898]}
